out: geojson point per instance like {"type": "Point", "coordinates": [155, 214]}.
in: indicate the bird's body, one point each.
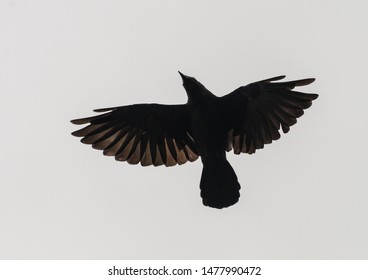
{"type": "Point", "coordinates": [206, 126]}
{"type": "Point", "coordinates": [219, 184]}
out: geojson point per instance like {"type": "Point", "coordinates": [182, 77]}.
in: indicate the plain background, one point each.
{"type": "Point", "coordinates": [303, 197]}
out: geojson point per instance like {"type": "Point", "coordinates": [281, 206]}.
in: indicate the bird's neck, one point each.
{"type": "Point", "coordinates": [200, 97]}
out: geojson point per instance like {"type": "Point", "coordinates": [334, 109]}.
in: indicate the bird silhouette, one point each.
{"type": "Point", "coordinates": [206, 126]}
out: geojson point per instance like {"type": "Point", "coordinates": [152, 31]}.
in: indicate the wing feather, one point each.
{"type": "Point", "coordinates": [255, 113]}
{"type": "Point", "coordinates": [150, 134]}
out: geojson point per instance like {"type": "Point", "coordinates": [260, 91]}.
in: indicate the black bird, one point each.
{"type": "Point", "coordinates": [206, 126]}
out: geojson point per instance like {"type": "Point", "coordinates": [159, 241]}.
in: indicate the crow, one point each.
{"type": "Point", "coordinates": [206, 126]}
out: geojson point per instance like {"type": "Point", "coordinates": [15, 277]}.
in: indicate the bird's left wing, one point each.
{"type": "Point", "coordinates": [254, 113]}
{"type": "Point", "coordinates": [152, 134]}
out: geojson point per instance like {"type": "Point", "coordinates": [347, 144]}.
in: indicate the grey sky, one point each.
{"type": "Point", "coordinates": [303, 197]}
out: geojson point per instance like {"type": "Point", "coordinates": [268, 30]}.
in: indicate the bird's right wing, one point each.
{"type": "Point", "coordinates": [254, 113]}
{"type": "Point", "coordinates": [152, 134]}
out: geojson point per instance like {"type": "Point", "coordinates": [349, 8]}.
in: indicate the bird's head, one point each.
{"type": "Point", "coordinates": [192, 86]}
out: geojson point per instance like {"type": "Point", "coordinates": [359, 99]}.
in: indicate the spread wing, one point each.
{"type": "Point", "coordinates": [151, 134]}
{"type": "Point", "coordinates": [254, 113]}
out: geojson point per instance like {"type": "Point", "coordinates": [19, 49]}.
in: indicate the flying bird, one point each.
{"type": "Point", "coordinates": [206, 126]}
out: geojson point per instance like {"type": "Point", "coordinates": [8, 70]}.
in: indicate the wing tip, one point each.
{"type": "Point", "coordinates": [305, 82]}
{"type": "Point", "coordinates": [302, 82]}
{"type": "Point", "coordinates": [78, 121]}
{"type": "Point", "coordinates": [313, 96]}
{"type": "Point", "coordinates": [277, 78]}
{"type": "Point", "coordinates": [100, 110]}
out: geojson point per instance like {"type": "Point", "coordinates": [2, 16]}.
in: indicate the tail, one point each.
{"type": "Point", "coordinates": [219, 185]}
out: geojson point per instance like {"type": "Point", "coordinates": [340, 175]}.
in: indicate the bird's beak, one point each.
{"type": "Point", "coordinates": [183, 77]}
